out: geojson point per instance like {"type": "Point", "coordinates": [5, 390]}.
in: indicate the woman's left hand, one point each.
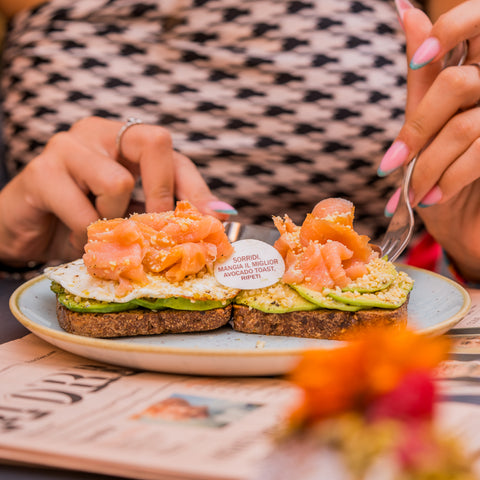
{"type": "Point", "coordinates": [443, 119]}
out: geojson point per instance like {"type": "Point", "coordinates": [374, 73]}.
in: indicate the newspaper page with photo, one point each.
{"type": "Point", "coordinates": [61, 410]}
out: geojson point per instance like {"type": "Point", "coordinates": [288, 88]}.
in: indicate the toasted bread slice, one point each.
{"type": "Point", "coordinates": [141, 321]}
{"type": "Point", "coordinates": [323, 323]}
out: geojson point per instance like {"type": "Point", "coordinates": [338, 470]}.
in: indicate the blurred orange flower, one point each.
{"type": "Point", "coordinates": [372, 375]}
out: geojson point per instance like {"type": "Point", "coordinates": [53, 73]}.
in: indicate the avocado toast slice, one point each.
{"type": "Point", "coordinates": [334, 284]}
{"type": "Point", "coordinates": [332, 314]}
{"type": "Point", "coordinates": [146, 274]}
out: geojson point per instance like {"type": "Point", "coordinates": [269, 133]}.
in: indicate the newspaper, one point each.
{"type": "Point", "coordinates": [466, 334]}
{"type": "Point", "coordinates": [61, 410]}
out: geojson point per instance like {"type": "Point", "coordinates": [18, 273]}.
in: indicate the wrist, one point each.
{"type": "Point", "coordinates": [25, 272]}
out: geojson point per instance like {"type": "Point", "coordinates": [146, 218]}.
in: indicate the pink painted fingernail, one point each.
{"type": "Point", "coordinates": [425, 53]}
{"type": "Point", "coordinates": [432, 197]}
{"type": "Point", "coordinates": [395, 156]}
{"type": "Point", "coordinates": [222, 207]}
{"type": "Point", "coordinates": [391, 205]}
{"type": "Point", "coordinates": [402, 7]}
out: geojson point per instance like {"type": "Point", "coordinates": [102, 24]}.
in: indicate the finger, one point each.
{"type": "Point", "coordinates": [456, 139]}
{"type": "Point", "coordinates": [146, 145]}
{"type": "Point", "coordinates": [110, 183]}
{"type": "Point", "coordinates": [457, 87]}
{"type": "Point", "coordinates": [457, 24]}
{"type": "Point", "coordinates": [392, 203]}
{"type": "Point", "coordinates": [461, 173]}
{"type": "Point", "coordinates": [151, 147]}
{"type": "Point", "coordinates": [417, 27]}
{"type": "Point", "coordinates": [52, 189]}
{"type": "Point", "coordinates": [190, 185]}
{"type": "Point", "coordinates": [101, 136]}
{"type": "Point", "coordinates": [99, 133]}
{"type": "Point", "coordinates": [59, 249]}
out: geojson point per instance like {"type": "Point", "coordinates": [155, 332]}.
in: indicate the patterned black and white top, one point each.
{"type": "Point", "coordinates": [280, 103]}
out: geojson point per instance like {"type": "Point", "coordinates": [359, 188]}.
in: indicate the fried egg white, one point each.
{"type": "Point", "coordinates": [75, 279]}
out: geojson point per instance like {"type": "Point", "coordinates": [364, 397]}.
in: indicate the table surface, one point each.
{"type": "Point", "coordinates": [11, 329]}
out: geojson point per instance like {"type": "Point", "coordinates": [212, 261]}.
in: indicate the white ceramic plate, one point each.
{"type": "Point", "coordinates": [436, 304]}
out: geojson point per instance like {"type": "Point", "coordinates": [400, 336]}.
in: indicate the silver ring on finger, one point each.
{"type": "Point", "coordinates": [131, 121]}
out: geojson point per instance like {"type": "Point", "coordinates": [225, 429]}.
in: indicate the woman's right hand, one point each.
{"type": "Point", "coordinates": [81, 177]}
{"type": "Point", "coordinates": [442, 127]}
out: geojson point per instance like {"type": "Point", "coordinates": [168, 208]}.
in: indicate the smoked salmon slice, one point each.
{"type": "Point", "coordinates": [175, 243]}
{"type": "Point", "coordinates": [325, 251]}
{"type": "Point", "coordinates": [321, 230]}
{"type": "Point", "coordinates": [339, 210]}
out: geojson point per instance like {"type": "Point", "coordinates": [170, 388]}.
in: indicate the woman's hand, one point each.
{"type": "Point", "coordinates": [442, 118]}
{"type": "Point", "coordinates": [80, 177]}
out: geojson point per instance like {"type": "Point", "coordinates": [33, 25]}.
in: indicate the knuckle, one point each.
{"type": "Point", "coordinates": [183, 162]}
{"type": "Point", "coordinates": [161, 192]}
{"type": "Point", "coordinates": [161, 203]}
{"type": "Point", "coordinates": [157, 137]}
{"type": "Point", "coordinates": [58, 141]}
{"type": "Point", "coordinates": [463, 126]}
{"type": "Point", "coordinates": [447, 23]}
{"type": "Point", "coordinates": [454, 80]}
{"type": "Point", "coordinates": [34, 167]}
{"type": "Point", "coordinates": [86, 123]}
{"type": "Point", "coordinates": [42, 165]}
{"type": "Point", "coordinates": [415, 128]}
{"type": "Point", "coordinates": [120, 183]}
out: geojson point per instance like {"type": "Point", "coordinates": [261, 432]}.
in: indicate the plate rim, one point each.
{"type": "Point", "coordinates": [453, 320]}
{"type": "Point", "coordinates": [119, 345]}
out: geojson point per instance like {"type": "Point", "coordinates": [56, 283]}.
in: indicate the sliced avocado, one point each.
{"type": "Point", "coordinates": [392, 297]}
{"type": "Point", "coordinates": [321, 300]}
{"type": "Point", "coordinates": [90, 305]}
{"type": "Point", "coordinates": [180, 303]}
{"type": "Point", "coordinates": [55, 287]}
{"type": "Point", "coordinates": [380, 275]}
{"type": "Point", "coordinates": [278, 298]}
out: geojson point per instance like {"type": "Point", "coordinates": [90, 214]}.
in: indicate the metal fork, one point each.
{"type": "Point", "coordinates": [400, 228]}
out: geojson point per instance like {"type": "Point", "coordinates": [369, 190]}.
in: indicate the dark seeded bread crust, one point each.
{"type": "Point", "coordinates": [323, 323]}
{"type": "Point", "coordinates": [141, 322]}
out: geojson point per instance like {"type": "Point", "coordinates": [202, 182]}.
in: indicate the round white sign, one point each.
{"type": "Point", "coordinates": [253, 264]}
